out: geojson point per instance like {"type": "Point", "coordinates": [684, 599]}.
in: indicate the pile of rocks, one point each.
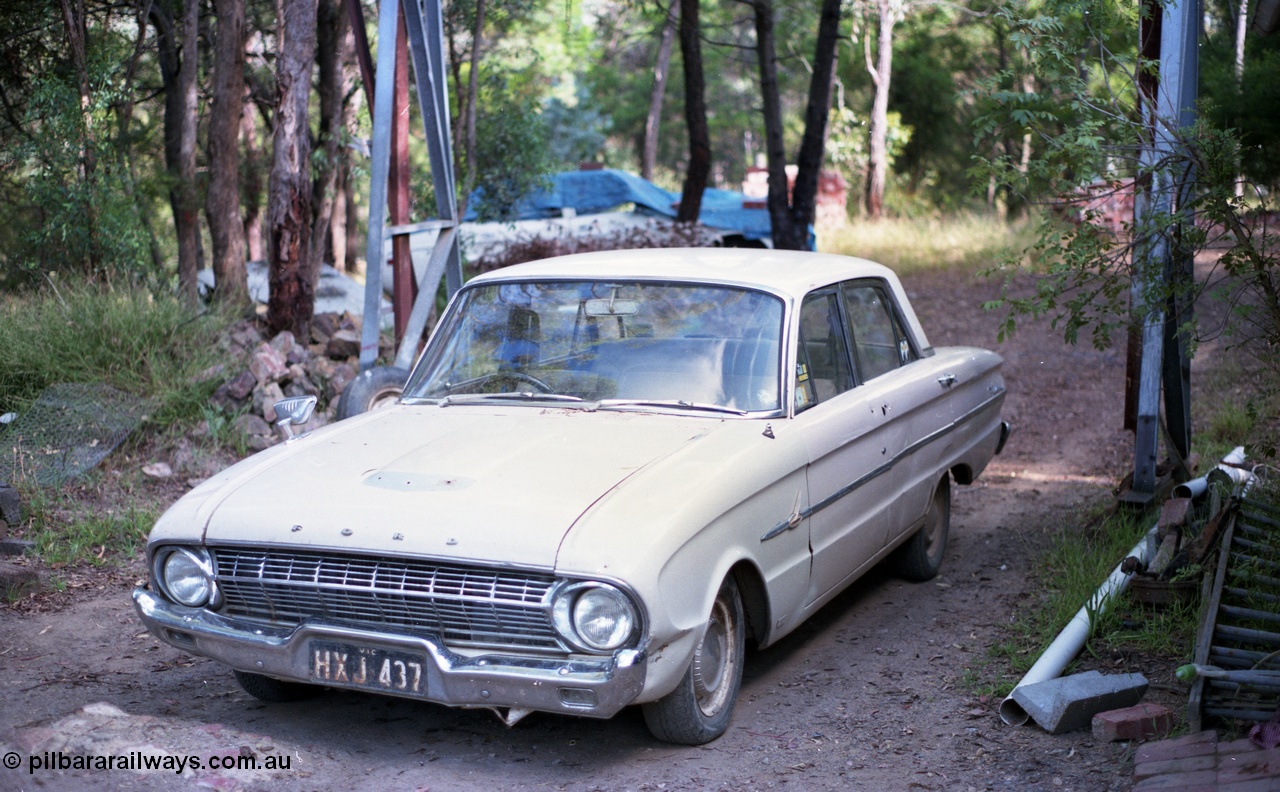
{"type": "Point", "coordinates": [285, 366]}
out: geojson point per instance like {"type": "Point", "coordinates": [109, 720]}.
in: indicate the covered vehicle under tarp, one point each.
{"type": "Point", "coordinates": [587, 192]}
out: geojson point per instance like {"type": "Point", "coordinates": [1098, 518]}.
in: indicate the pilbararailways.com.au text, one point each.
{"type": "Point", "coordinates": [144, 762]}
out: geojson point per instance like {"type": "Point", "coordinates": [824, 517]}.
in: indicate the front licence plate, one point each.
{"type": "Point", "coordinates": [367, 668]}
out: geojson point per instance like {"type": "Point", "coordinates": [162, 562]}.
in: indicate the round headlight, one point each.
{"type": "Point", "coordinates": [598, 616]}
{"type": "Point", "coordinates": [187, 578]}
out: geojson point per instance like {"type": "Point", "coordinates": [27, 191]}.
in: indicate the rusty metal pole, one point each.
{"type": "Point", "coordinates": [404, 285]}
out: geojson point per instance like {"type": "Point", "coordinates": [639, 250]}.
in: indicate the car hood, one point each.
{"type": "Point", "coordinates": [466, 482]}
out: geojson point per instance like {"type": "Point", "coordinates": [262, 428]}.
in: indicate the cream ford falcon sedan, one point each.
{"type": "Point", "coordinates": [608, 473]}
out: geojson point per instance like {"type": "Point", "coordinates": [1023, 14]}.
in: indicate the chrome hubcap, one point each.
{"type": "Point", "coordinates": [714, 660]}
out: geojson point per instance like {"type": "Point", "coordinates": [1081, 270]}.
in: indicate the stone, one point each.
{"type": "Point", "coordinates": [321, 369]}
{"type": "Point", "coordinates": [16, 547]}
{"type": "Point", "coordinates": [240, 387]}
{"type": "Point", "coordinates": [250, 425]}
{"type": "Point", "coordinates": [350, 321]}
{"type": "Point", "coordinates": [268, 365]}
{"type": "Point", "coordinates": [10, 504]}
{"type": "Point", "coordinates": [1145, 721]}
{"type": "Point", "coordinates": [283, 342]}
{"type": "Point", "coordinates": [343, 344]}
{"type": "Point", "coordinates": [271, 393]}
{"type": "Point", "coordinates": [323, 326]}
{"type": "Point", "coordinates": [1068, 703]}
{"type": "Point", "coordinates": [17, 580]}
{"type": "Point", "coordinates": [260, 442]}
{"type": "Point", "coordinates": [342, 375]}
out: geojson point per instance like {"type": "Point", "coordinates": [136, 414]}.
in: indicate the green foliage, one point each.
{"type": "Point", "coordinates": [576, 132]}
{"type": "Point", "coordinates": [73, 194]}
{"type": "Point", "coordinates": [511, 153]}
{"type": "Point", "coordinates": [68, 531]}
{"type": "Point", "coordinates": [1080, 107]}
{"type": "Point", "coordinates": [150, 346]}
{"type": "Point", "coordinates": [1080, 558]}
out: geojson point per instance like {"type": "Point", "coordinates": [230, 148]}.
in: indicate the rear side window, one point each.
{"type": "Point", "coordinates": [879, 342]}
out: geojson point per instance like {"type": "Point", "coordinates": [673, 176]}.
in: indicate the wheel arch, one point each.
{"type": "Point", "coordinates": [755, 599]}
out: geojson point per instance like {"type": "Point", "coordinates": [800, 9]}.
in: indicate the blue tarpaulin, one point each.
{"type": "Point", "coordinates": [595, 191]}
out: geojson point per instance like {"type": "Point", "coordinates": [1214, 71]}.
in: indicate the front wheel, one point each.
{"type": "Point", "coordinates": [698, 710]}
{"type": "Point", "coordinates": [921, 557]}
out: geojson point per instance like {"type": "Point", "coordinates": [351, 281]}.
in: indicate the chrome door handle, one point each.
{"type": "Point", "coordinates": [947, 380]}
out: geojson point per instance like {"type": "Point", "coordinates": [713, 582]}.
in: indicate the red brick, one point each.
{"type": "Point", "coordinates": [1185, 764]}
{"type": "Point", "coordinates": [1205, 742]}
{"type": "Point", "coordinates": [1139, 722]}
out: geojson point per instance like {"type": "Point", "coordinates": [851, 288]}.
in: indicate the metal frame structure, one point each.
{"type": "Point", "coordinates": [1165, 356]}
{"type": "Point", "coordinates": [424, 32]}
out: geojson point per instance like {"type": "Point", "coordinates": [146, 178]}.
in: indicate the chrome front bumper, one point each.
{"type": "Point", "coordinates": [577, 686]}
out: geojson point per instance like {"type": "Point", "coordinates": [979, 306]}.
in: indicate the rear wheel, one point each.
{"type": "Point", "coordinates": [698, 710]}
{"type": "Point", "coordinates": [921, 557]}
{"type": "Point", "coordinates": [275, 691]}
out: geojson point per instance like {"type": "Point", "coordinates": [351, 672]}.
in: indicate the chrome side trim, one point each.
{"type": "Point", "coordinates": [791, 522]}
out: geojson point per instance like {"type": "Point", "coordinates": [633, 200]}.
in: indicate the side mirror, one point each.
{"type": "Point", "coordinates": [293, 411]}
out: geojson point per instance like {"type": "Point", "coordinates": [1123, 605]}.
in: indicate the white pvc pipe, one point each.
{"type": "Point", "coordinates": [1191, 489]}
{"type": "Point", "coordinates": [1071, 640]}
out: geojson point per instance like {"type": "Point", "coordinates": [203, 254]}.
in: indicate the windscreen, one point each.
{"type": "Point", "coordinates": [606, 340]}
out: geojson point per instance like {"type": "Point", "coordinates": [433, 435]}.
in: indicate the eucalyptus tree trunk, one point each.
{"type": "Point", "coordinates": [890, 13]}
{"type": "Point", "coordinates": [176, 48]}
{"type": "Point", "coordinates": [778, 201]}
{"type": "Point", "coordinates": [187, 205]}
{"type": "Point", "coordinates": [469, 165]}
{"type": "Point", "coordinates": [330, 56]}
{"type": "Point", "coordinates": [653, 121]}
{"type": "Point", "coordinates": [222, 201]}
{"type": "Point", "coordinates": [251, 186]}
{"type": "Point", "coordinates": [73, 19]}
{"type": "Point", "coordinates": [1242, 24]}
{"type": "Point", "coordinates": [695, 114]}
{"type": "Point", "coordinates": [292, 300]}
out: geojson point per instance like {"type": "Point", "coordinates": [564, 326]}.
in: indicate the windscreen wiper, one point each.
{"type": "Point", "coordinates": [532, 396]}
{"type": "Point", "coordinates": [676, 404]}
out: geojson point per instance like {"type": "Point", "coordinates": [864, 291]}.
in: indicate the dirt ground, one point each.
{"type": "Point", "coordinates": [877, 692]}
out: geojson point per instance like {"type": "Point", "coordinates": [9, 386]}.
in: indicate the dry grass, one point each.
{"type": "Point", "coordinates": [967, 242]}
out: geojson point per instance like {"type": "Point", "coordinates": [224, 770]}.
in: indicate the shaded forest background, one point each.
{"type": "Point", "coordinates": [142, 140]}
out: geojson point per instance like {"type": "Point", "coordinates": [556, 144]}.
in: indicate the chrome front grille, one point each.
{"type": "Point", "coordinates": [462, 605]}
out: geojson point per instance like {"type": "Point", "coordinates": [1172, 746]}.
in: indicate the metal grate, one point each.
{"type": "Point", "coordinates": [462, 605]}
{"type": "Point", "coordinates": [1242, 627]}
{"type": "Point", "coordinates": [69, 429]}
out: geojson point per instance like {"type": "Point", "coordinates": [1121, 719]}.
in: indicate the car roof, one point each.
{"type": "Point", "coordinates": [789, 273]}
